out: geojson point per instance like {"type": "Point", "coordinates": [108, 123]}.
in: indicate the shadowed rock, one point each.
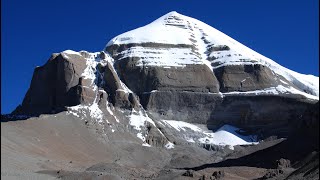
{"type": "Point", "coordinates": [55, 85]}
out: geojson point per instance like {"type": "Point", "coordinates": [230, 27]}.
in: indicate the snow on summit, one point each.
{"type": "Point", "coordinates": [179, 40]}
{"type": "Point", "coordinates": [166, 29]}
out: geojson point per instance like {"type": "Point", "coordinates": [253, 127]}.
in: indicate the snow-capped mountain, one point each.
{"type": "Point", "coordinates": [177, 40]}
{"type": "Point", "coordinates": [157, 100]}
{"type": "Point", "coordinates": [174, 72]}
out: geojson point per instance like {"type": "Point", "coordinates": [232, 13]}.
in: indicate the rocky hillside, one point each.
{"type": "Point", "coordinates": [175, 83]}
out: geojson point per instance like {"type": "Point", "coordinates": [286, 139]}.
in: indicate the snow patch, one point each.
{"type": "Point", "coordinates": [73, 113]}
{"type": "Point", "coordinates": [71, 52]}
{"type": "Point", "coordinates": [227, 135]}
{"type": "Point", "coordinates": [138, 120]}
{"type": "Point", "coordinates": [190, 140]}
{"type": "Point", "coordinates": [140, 136]}
{"type": "Point", "coordinates": [169, 145]}
{"type": "Point", "coordinates": [280, 89]}
{"type": "Point", "coordinates": [181, 125]}
{"type": "Point", "coordinates": [146, 144]}
{"type": "Point", "coordinates": [81, 111]}
{"type": "Point", "coordinates": [90, 71]}
{"type": "Point", "coordinates": [95, 111]}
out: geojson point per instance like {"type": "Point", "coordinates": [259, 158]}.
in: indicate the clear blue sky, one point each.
{"type": "Point", "coordinates": [286, 31]}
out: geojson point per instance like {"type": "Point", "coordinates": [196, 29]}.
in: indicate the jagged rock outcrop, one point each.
{"type": "Point", "coordinates": [112, 85]}
{"type": "Point", "coordinates": [67, 79]}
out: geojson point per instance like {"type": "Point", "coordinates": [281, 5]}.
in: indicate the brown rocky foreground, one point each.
{"type": "Point", "coordinates": [63, 146]}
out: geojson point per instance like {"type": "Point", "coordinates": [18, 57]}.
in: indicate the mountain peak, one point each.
{"type": "Point", "coordinates": [178, 40]}
{"type": "Point", "coordinates": [173, 13]}
{"type": "Point", "coordinates": [173, 18]}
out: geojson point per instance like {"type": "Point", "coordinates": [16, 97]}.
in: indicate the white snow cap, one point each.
{"type": "Point", "coordinates": [199, 40]}
{"type": "Point", "coordinates": [163, 30]}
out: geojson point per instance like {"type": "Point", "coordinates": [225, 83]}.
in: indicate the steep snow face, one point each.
{"type": "Point", "coordinates": [178, 40]}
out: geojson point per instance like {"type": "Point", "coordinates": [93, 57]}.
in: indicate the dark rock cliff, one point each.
{"type": "Point", "coordinates": [55, 85]}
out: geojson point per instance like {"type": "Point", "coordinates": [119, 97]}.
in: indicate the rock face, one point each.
{"type": "Point", "coordinates": [193, 78]}
{"type": "Point", "coordinates": [246, 78]}
{"type": "Point", "coordinates": [193, 107]}
{"type": "Point", "coordinates": [56, 85]}
{"type": "Point", "coordinates": [260, 111]}
{"type": "Point", "coordinates": [112, 85]}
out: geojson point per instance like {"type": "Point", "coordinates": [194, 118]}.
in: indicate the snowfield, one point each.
{"type": "Point", "coordinates": [226, 135]}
